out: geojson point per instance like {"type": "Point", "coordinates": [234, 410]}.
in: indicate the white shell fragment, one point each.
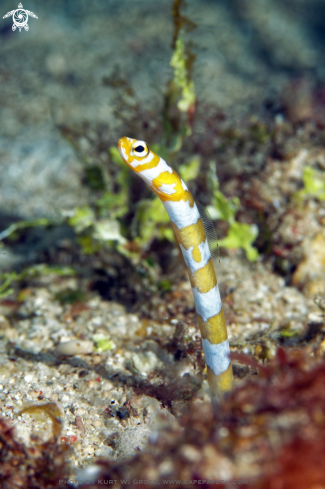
{"type": "Point", "coordinates": [75, 347]}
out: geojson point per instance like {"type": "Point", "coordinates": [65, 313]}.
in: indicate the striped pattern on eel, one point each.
{"type": "Point", "coordinates": [189, 230]}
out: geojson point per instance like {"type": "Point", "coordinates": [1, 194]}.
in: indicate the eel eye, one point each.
{"type": "Point", "coordinates": [140, 148]}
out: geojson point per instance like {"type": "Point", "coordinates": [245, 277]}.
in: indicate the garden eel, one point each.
{"type": "Point", "coordinates": [190, 231]}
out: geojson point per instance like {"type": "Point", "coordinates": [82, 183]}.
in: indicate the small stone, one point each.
{"type": "Point", "coordinates": [4, 323]}
{"type": "Point", "coordinates": [223, 432]}
{"type": "Point", "coordinates": [28, 378]}
{"type": "Point", "coordinates": [80, 425]}
{"type": "Point", "coordinates": [95, 440]}
{"type": "Point", "coordinates": [97, 423]}
{"type": "Point", "coordinates": [34, 393]}
{"type": "Point", "coordinates": [4, 373]}
{"type": "Point", "coordinates": [145, 362]}
{"type": "Point", "coordinates": [89, 451]}
{"type": "Point", "coordinates": [54, 397]}
{"type": "Point", "coordinates": [65, 399]}
{"type": "Point", "coordinates": [77, 446]}
{"type": "Point", "coordinates": [80, 412]}
{"type": "Point", "coordinates": [310, 273]}
{"type": "Point", "coordinates": [166, 467]}
{"type": "Point", "coordinates": [104, 452]}
{"type": "Point", "coordinates": [75, 347]}
{"type": "Point", "coordinates": [97, 359]}
{"type": "Point", "coordinates": [190, 453]}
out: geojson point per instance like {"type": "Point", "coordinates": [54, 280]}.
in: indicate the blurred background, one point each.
{"type": "Point", "coordinates": [220, 89]}
{"type": "Point", "coordinates": [77, 57]}
{"type": "Point", "coordinates": [86, 74]}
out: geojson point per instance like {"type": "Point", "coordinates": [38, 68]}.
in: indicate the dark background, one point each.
{"type": "Point", "coordinates": [60, 72]}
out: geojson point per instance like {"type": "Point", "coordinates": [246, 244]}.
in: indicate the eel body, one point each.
{"type": "Point", "coordinates": [189, 230]}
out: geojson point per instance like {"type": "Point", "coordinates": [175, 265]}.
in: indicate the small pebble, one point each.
{"type": "Point", "coordinates": [80, 412]}
{"type": "Point", "coordinates": [97, 359]}
{"type": "Point", "coordinates": [80, 425]}
{"type": "Point", "coordinates": [104, 452]}
{"type": "Point", "coordinates": [75, 347]}
{"type": "Point", "coordinates": [77, 446]}
{"type": "Point", "coordinates": [89, 451]}
{"type": "Point", "coordinates": [4, 373]}
{"type": "Point", "coordinates": [223, 432]}
{"type": "Point", "coordinates": [54, 397]}
{"type": "Point", "coordinates": [146, 361]}
{"type": "Point", "coordinates": [97, 423]}
{"type": "Point", "coordinates": [190, 453]}
{"type": "Point", "coordinates": [95, 440]}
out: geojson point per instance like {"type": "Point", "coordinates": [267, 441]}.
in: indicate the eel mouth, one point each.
{"type": "Point", "coordinates": [124, 147]}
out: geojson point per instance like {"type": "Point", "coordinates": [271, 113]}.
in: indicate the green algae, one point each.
{"type": "Point", "coordinates": [180, 97]}
{"type": "Point", "coordinates": [314, 185]}
{"type": "Point", "coordinates": [14, 228]}
{"type": "Point", "coordinates": [8, 279]}
{"type": "Point", "coordinates": [183, 84]}
{"type": "Point", "coordinates": [240, 235]}
{"type": "Point", "coordinates": [103, 343]}
{"type": "Point", "coordinates": [105, 221]}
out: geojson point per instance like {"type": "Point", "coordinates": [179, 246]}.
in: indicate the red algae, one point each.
{"type": "Point", "coordinates": [276, 418]}
{"type": "Point", "coordinates": [40, 465]}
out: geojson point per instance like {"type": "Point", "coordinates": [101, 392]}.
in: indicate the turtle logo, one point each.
{"type": "Point", "coordinates": [20, 18]}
